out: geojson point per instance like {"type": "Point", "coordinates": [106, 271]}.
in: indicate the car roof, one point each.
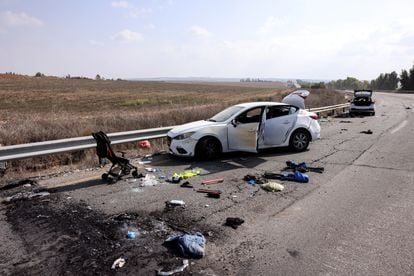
{"type": "Point", "coordinates": [254, 104]}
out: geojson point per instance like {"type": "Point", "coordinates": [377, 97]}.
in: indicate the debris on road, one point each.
{"type": "Point", "coordinates": [144, 144]}
{"type": "Point", "coordinates": [213, 181]}
{"type": "Point", "coordinates": [187, 245]}
{"type": "Point", "coordinates": [234, 222]}
{"type": "Point", "coordinates": [408, 107]}
{"type": "Point", "coordinates": [186, 185]}
{"type": "Point", "coordinates": [120, 262]}
{"type": "Point", "coordinates": [272, 186]}
{"type": "Point", "coordinates": [14, 184]}
{"type": "Point", "coordinates": [367, 131]}
{"type": "Point", "coordinates": [302, 167]}
{"type": "Point", "coordinates": [210, 193]}
{"type": "Point", "coordinates": [296, 176]}
{"type": "Point", "coordinates": [152, 169]}
{"type": "Point", "coordinates": [345, 122]}
{"type": "Point", "coordinates": [25, 196]}
{"type": "Point", "coordinates": [131, 235]}
{"type": "Point", "coordinates": [171, 272]}
{"type": "Point", "coordinates": [187, 174]}
{"type": "Point", "coordinates": [174, 179]}
{"type": "Point", "coordinates": [148, 180]}
{"type": "Point", "coordinates": [252, 179]}
{"type": "Point", "coordinates": [174, 203]}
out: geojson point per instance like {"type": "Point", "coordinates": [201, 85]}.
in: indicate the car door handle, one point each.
{"type": "Point", "coordinates": [286, 122]}
{"type": "Point", "coordinates": [251, 130]}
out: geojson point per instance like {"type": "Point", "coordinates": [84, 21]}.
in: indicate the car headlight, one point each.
{"type": "Point", "coordinates": [183, 136]}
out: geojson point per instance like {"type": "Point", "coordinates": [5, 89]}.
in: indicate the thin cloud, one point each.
{"type": "Point", "coordinates": [201, 32]}
{"type": "Point", "coordinates": [95, 43]}
{"type": "Point", "coordinates": [11, 19]}
{"type": "Point", "coordinates": [120, 4]}
{"type": "Point", "coordinates": [128, 36]}
{"type": "Point", "coordinates": [271, 24]}
{"type": "Point", "coordinates": [138, 12]}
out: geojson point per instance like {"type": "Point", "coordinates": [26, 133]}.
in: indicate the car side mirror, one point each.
{"type": "Point", "coordinates": [234, 122]}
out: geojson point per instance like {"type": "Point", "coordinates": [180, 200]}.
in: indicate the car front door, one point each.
{"type": "Point", "coordinates": [279, 121]}
{"type": "Point", "coordinates": [242, 132]}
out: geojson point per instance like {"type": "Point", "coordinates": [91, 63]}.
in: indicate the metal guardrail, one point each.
{"type": "Point", "coordinates": [330, 108]}
{"type": "Point", "coordinates": [16, 152]}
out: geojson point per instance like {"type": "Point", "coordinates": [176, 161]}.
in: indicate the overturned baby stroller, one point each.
{"type": "Point", "coordinates": [120, 165]}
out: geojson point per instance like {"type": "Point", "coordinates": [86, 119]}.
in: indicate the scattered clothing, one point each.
{"type": "Point", "coordinates": [273, 186]}
{"type": "Point", "coordinates": [296, 176]}
{"type": "Point", "coordinates": [188, 245]}
{"type": "Point", "coordinates": [252, 179]}
{"type": "Point", "coordinates": [303, 167]}
{"type": "Point", "coordinates": [234, 222]}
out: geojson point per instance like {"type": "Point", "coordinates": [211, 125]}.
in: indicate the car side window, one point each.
{"type": "Point", "coordinates": [277, 111]}
{"type": "Point", "coordinates": [293, 109]}
{"type": "Point", "coordinates": [251, 116]}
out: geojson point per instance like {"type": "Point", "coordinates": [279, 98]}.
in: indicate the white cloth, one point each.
{"type": "Point", "coordinates": [296, 98]}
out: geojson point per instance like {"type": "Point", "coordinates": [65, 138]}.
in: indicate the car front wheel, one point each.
{"type": "Point", "coordinates": [299, 141]}
{"type": "Point", "coordinates": [208, 148]}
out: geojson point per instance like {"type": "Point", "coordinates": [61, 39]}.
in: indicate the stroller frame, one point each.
{"type": "Point", "coordinates": [120, 165]}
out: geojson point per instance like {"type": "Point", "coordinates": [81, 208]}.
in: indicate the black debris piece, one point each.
{"type": "Point", "coordinates": [367, 131]}
{"type": "Point", "coordinates": [234, 222]}
{"type": "Point", "coordinates": [186, 185]}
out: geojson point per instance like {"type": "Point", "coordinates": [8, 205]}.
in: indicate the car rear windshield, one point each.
{"type": "Point", "coordinates": [226, 114]}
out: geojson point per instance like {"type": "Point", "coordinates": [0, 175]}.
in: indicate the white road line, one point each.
{"type": "Point", "coordinates": [399, 127]}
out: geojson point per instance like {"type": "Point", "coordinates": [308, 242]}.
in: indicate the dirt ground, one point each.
{"type": "Point", "coordinates": [63, 236]}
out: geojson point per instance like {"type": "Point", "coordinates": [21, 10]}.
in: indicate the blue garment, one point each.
{"type": "Point", "coordinates": [297, 176]}
{"type": "Point", "coordinates": [189, 245]}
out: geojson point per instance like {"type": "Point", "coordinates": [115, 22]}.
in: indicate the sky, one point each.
{"type": "Point", "coordinates": [302, 39]}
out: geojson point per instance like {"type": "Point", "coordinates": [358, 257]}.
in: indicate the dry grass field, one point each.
{"type": "Point", "coordinates": [41, 109]}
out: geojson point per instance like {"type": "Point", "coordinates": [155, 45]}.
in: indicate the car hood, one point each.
{"type": "Point", "coordinates": [193, 126]}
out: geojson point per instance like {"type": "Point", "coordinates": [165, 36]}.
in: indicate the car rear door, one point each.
{"type": "Point", "coordinates": [279, 121]}
{"type": "Point", "coordinates": [242, 133]}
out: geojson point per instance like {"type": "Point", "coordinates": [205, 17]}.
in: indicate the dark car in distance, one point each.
{"type": "Point", "coordinates": [362, 103]}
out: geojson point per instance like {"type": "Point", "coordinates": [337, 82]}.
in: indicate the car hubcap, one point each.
{"type": "Point", "coordinates": [210, 149]}
{"type": "Point", "coordinates": [300, 140]}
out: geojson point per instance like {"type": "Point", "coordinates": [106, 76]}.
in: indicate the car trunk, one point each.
{"type": "Point", "coordinates": [362, 101]}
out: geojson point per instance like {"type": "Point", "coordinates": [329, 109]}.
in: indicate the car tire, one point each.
{"type": "Point", "coordinates": [208, 148]}
{"type": "Point", "coordinates": [104, 177]}
{"type": "Point", "coordinates": [299, 140]}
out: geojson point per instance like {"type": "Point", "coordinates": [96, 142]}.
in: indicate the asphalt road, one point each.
{"type": "Point", "coordinates": [357, 218]}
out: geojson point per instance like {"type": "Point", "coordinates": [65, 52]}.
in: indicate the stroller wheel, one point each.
{"type": "Point", "coordinates": [104, 176]}
{"type": "Point", "coordinates": [135, 173]}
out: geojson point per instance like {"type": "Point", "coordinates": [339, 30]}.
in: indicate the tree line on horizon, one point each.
{"type": "Point", "coordinates": [385, 81]}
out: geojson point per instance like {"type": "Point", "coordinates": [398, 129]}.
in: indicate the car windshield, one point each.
{"type": "Point", "coordinates": [225, 114]}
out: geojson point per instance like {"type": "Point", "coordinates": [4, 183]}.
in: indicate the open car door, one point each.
{"type": "Point", "coordinates": [242, 132]}
{"type": "Point", "coordinates": [279, 121]}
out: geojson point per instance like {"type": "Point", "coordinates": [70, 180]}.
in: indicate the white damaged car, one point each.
{"type": "Point", "coordinates": [246, 127]}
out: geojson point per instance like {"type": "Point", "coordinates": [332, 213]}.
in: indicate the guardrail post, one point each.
{"type": "Point", "coordinates": [3, 167]}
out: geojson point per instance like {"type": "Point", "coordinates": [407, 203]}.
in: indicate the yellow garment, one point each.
{"type": "Point", "coordinates": [187, 174]}
{"type": "Point", "coordinates": [273, 186]}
